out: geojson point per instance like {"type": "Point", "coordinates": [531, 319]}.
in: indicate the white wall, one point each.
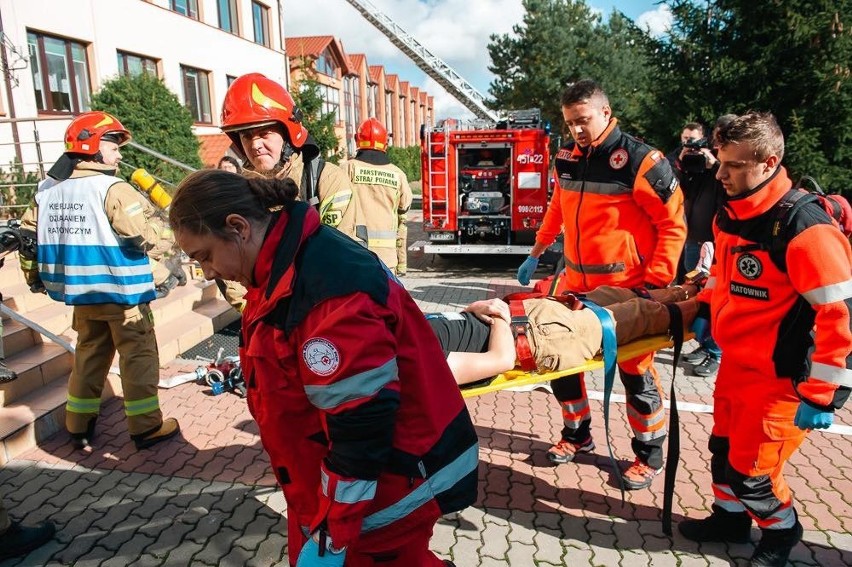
{"type": "Point", "coordinates": [141, 27]}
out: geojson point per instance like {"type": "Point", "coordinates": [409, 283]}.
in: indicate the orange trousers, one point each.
{"type": "Point", "coordinates": [753, 437]}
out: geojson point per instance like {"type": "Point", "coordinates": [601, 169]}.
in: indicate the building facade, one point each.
{"type": "Point", "coordinates": [59, 52]}
{"type": "Point", "coordinates": [70, 48]}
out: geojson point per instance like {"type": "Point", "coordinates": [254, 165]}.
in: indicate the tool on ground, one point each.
{"type": "Point", "coordinates": [224, 374]}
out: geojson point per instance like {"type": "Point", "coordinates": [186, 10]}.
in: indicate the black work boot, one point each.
{"type": "Point", "coordinates": [84, 440]}
{"type": "Point", "coordinates": [775, 546]}
{"type": "Point", "coordinates": [6, 373]}
{"type": "Point", "coordinates": [20, 540]}
{"type": "Point", "coordinates": [721, 525]}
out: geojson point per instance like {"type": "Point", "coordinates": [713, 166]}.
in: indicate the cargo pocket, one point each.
{"type": "Point", "coordinates": [782, 439]}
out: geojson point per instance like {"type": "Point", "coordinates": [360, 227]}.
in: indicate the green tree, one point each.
{"type": "Point", "coordinates": [561, 41]}
{"type": "Point", "coordinates": [790, 57]}
{"type": "Point", "coordinates": [156, 119]}
{"type": "Point", "coordinates": [407, 159]}
{"type": "Point", "coordinates": [307, 94]}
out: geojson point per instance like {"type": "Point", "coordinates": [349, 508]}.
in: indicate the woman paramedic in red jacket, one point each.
{"type": "Point", "coordinates": [365, 427]}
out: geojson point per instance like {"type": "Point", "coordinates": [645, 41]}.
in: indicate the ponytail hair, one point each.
{"type": "Point", "coordinates": [204, 200]}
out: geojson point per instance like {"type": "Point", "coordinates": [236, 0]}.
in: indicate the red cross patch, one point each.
{"type": "Point", "coordinates": [618, 158]}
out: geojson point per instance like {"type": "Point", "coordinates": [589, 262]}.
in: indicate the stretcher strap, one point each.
{"type": "Point", "coordinates": [673, 452]}
{"type": "Point", "coordinates": [609, 348]}
{"type": "Point", "coordinates": [520, 326]}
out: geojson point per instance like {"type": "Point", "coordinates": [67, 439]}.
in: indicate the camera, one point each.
{"type": "Point", "coordinates": [694, 161]}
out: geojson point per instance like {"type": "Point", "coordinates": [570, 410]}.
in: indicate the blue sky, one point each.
{"type": "Point", "coordinates": [456, 31]}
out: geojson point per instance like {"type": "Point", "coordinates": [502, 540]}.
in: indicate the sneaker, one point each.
{"type": "Point", "coordinates": [775, 546]}
{"type": "Point", "coordinates": [6, 373]}
{"type": "Point", "coordinates": [19, 540]}
{"type": "Point", "coordinates": [708, 367]}
{"type": "Point", "coordinates": [565, 451]}
{"type": "Point", "coordinates": [639, 475]}
{"type": "Point", "coordinates": [695, 357]}
{"type": "Point", "coordinates": [719, 526]}
{"type": "Point", "coordinates": [168, 429]}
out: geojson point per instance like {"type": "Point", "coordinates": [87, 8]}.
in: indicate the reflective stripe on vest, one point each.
{"type": "Point", "coordinates": [81, 259]}
{"type": "Point", "coordinates": [362, 385]}
{"type": "Point", "coordinates": [443, 480]}
{"type": "Point", "coordinates": [594, 187]}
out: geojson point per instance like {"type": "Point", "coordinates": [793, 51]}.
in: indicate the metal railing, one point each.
{"type": "Point", "coordinates": [28, 164]}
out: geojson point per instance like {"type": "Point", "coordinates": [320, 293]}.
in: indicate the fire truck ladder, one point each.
{"type": "Point", "coordinates": [438, 178]}
{"type": "Point", "coordinates": [430, 64]}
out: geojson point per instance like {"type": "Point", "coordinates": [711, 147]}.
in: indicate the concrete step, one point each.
{"type": "Point", "coordinates": [36, 366]}
{"type": "Point", "coordinates": [11, 274]}
{"type": "Point", "coordinates": [32, 408]}
{"type": "Point", "coordinates": [18, 337]}
{"type": "Point", "coordinates": [32, 419]}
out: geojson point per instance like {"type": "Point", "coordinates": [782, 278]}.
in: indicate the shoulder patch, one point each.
{"type": "Point", "coordinates": [662, 179]}
{"type": "Point", "coordinates": [618, 158]}
{"type": "Point", "coordinates": [321, 356]}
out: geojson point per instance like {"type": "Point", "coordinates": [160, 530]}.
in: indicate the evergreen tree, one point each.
{"type": "Point", "coordinates": [156, 119]}
{"type": "Point", "coordinates": [307, 94]}
{"type": "Point", "coordinates": [562, 41]}
{"type": "Point", "coordinates": [790, 57]}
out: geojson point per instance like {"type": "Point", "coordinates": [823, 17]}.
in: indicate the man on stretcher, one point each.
{"type": "Point", "coordinates": [562, 333]}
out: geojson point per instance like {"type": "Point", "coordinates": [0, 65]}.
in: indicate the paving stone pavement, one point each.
{"type": "Point", "coordinates": [209, 497]}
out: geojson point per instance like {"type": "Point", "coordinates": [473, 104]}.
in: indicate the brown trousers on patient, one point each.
{"type": "Point", "coordinates": [561, 338]}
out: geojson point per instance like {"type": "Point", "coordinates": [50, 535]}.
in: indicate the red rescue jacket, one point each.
{"type": "Point", "coordinates": [363, 422]}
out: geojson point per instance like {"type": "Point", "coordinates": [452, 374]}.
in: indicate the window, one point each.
{"type": "Point", "coordinates": [60, 73]}
{"type": "Point", "coordinates": [356, 100]}
{"type": "Point", "coordinates": [188, 8]}
{"type": "Point", "coordinates": [330, 101]}
{"type": "Point", "coordinates": [389, 111]}
{"type": "Point", "coordinates": [228, 15]}
{"type": "Point", "coordinates": [326, 65]}
{"type": "Point", "coordinates": [260, 20]}
{"type": "Point", "coordinates": [134, 65]}
{"type": "Point", "coordinates": [196, 92]}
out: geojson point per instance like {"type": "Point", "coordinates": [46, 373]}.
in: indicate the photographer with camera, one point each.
{"type": "Point", "coordinates": [696, 167]}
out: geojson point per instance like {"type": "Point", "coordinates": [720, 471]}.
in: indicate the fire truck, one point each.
{"type": "Point", "coordinates": [485, 188]}
{"type": "Point", "coordinates": [485, 185]}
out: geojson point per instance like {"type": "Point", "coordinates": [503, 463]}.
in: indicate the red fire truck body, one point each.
{"type": "Point", "coordinates": [485, 190]}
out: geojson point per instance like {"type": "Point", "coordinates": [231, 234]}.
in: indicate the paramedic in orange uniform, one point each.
{"type": "Point", "coordinates": [786, 338]}
{"type": "Point", "coordinates": [621, 210]}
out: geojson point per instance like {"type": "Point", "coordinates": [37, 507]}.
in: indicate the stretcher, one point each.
{"type": "Point", "coordinates": [517, 377]}
{"type": "Point", "coordinates": [607, 361]}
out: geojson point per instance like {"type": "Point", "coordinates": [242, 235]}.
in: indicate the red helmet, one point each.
{"type": "Point", "coordinates": [372, 135]}
{"type": "Point", "coordinates": [253, 101]}
{"type": "Point", "coordinates": [84, 134]}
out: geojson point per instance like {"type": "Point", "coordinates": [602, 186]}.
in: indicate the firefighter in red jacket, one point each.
{"type": "Point", "coordinates": [364, 425]}
{"type": "Point", "coordinates": [621, 211]}
{"type": "Point", "coordinates": [796, 305]}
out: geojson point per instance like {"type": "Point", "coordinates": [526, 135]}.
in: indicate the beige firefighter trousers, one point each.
{"type": "Point", "coordinates": [561, 338]}
{"type": "Point", "coordinates": [101, 330]}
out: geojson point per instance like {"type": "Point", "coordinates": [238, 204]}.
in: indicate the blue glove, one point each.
{"type": "Point", "coordinates": [526, 270]}
{"type": "Point", "coordinates": [809, 417]}
{"type": "Point", "coordinates": [701, 328]}
{"type": "Point", "coordinates": [310, 557]}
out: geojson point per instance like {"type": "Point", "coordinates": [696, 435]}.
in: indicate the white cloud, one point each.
{"type": "Point", "coordinates": [457, 31]}
{"type": "Point", "coordinates": [656, 22]}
